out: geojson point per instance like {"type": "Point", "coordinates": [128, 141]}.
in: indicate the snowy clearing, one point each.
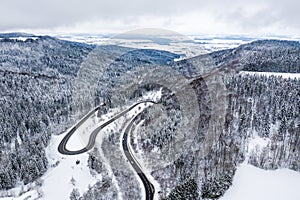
{"type": "Point", "coordinates": [57, 181]}
{"type": "Point", "coordinates": [252, 183]}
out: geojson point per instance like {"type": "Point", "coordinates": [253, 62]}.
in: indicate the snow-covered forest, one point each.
{"type": "Point", "coordinates": [37, 101]}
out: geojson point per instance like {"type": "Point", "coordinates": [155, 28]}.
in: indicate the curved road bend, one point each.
{"type": "Point", "coordinates": [92, 140]}
{"type": "Point", "coordinates": [62, 145]}
{"type": "Point", "coordinates": [149, 188]}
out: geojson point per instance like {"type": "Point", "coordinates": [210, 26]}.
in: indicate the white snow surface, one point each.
{"type": "Point", "coordinates": [30, 195]}
{"type": "Point", "coordinates": [24, 38]}
{"type": "Point", "coordinates": [57, 181]}
{"type": "Point", "coordinates": [256, 144]}
{"type": "Point", "coordinates": [283, 75]}
{"type": "Point", "coordinates": [252, 183]}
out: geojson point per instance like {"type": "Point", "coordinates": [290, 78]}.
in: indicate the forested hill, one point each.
{"type": "Point", "coordinates": [259, 56]}
{"type": "Point", "coordinates": [35, 88]}
{"type": "Point", "coordinates": [36, 84]}
{"type": "Point", "coordinates": [41, 55]}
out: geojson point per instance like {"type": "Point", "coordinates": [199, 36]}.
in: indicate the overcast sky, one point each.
{"type": "Point", "coordinates": [254, 17]}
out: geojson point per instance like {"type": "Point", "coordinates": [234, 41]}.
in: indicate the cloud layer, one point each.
{"type": "Point", "coordinates": [192, 17]}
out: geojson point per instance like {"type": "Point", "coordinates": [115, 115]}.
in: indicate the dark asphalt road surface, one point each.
{"type": "Point", "coordinates": [149, 188]}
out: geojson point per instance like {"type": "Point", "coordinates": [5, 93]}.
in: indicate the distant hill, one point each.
{"type": "Point", "coordinates": [262, 56]}
{"type": "Point", "coordinates": [259, 56]}
{"type": "Point", "coordinates": [11, 35]}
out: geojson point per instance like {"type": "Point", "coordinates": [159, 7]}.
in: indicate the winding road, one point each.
{"type": "Point", "coordinates": [149, 188]}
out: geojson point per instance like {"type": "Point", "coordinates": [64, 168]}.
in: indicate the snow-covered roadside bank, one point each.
{"type": "Point", "coordinates": [30, 195]}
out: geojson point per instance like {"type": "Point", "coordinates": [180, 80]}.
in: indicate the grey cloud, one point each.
{"type": "Point", "coordinates": [283, 14]}
{"type": "Point", "coordinates": [49, 14]}
{"type": "Point", "coordinates": [52, 13]}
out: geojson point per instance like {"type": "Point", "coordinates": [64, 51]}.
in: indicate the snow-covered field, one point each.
{"type": "Point", "coordinates": [252, 183]}
{"type": "Point", "coordinates": [215, 44]}
{"type": "Point", "coordinates": [59, 181]}
{"type": "Point", "coordinates": [187, 46]}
